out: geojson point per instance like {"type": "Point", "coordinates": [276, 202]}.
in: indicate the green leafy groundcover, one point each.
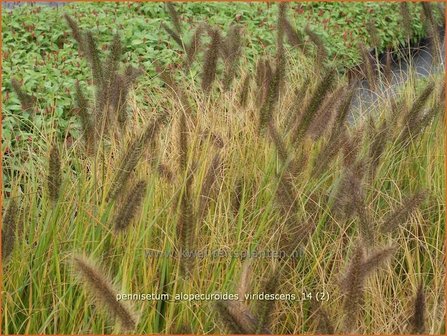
{"type": "Point", "coordinates": [38, 49]}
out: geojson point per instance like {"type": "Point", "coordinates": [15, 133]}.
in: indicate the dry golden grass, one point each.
{"type": "Point", "coordinates": [207, 178]}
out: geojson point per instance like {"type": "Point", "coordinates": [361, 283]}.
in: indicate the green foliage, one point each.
{"type": "Point", "coordinates": [39, 49]}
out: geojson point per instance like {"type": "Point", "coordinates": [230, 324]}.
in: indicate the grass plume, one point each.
{"type": "Point", "coordinates": [245, 90]}
{"type": "Point", "coordinates": [418, 318]}
{"type": "Point", "coordinates": [186, 222]}
{"type": "Point", "coordinates": [92, 55]}
{"type": "Point", "coordinates": [325, 115]}
{"type": "Point", "coordinates": [54, 174]}
{"type": "Point", "coordinates": [113, 59]}
{"type": "Point", "coordinates": [9, 227]}
{"type": "Point", "coordinates": [209, 189]}
{"type": "Point", "coordinates": [111, 88]}
{"type": "Point", "coordinates": [368, 66]}
{"type": "Point", "coordinates": [243, 286]}
{"type": "Point", "coordinates": [165, 172]}
{"type": "Point", "coordinates": [350, 199]}
{"type": "Point", "coordinates": [76, 32]}
{"type": "Point", "coordinates": [132, 156]}
{"type": "Point", "coordinates": [120, 91]}
{"type": "Point", "coordinates": [353, 282]}
{"type": "Point", "coordinates": [101, 287]}
{"type": "Point", "coordinates": [193, 46]}
{"type": "Point", "coordinates": [186, 228]}
{"type": "Point", "coordinates": [175, 36]}
{"type": "Point", "coordinates": [237, 318]}
{"type": "Point", "coordinates": [176, 90]}
{"type": "Point", "coordinates": [86, 120]}
{"type": "Point", "coordinates": [129, 208]}
{"type": "Point", "coordinates": [265, 307]}
{"type": "Point", "coordinates": [378, 144]}
{"type": "Point", "coordinates": [26, 101]}
{"type": "Point", "coordinates": [183, 143]}
{"type": "Point", "coordinates": [264, 74]}
{"type": "Point", "coordinates": [329, 152]}
{"type": "Point", "coordinates": [237, 195]}
{"type": "Point", "coordinates": [174, 17]}
{"type": "Point", "coordinates": [273, 80]}
{"type": "Point", "coordinates": [295, 110]}
{"type": "Point", "coordinates": [214, 138]}
{"type": "Point", "coordinates": [313, 105]}
{"type": "Point", "coordinates": [401, 214]}
{"type": "Point", "coordinates": [412, 118]}
{"type": "Point", "coordinates": [321, 49]}
{"type": "Point", "coordinates": [325, 325]}
{"type": "Point", "coordinates": [231, 47]}
{"type": "Point", "coordinates": [352, 287]}
{"type": "Point", "coordinates": [343, 108]}
{"type": "Point", "coordinates": [211, 57]}
{"type": "Point", "coordinates": [295, 37]}
{"type": "Point", "coordinates": [110, 76]}
{"type": "Point", "coordinates": [280, 145]}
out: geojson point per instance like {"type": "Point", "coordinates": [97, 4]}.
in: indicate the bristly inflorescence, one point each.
{"type": "Point", "coordinates": [54, 174]}
{"type": "Point", "coordinates": [352, 283]}
{"type": "Point", "coordinates": [130, 205]}
{"type": "Point", "coordinates": [417, 320]}
{"type": "Point", "coordinates": [103, 290]}
{"type": "Point", "coordinates": [211, 57]}
{"type": "Point", "coordinates": [111, 87]}
{"type": "Point", "coordinates": [9, 229]}
{"type": "Point", "coordinates": [132, 156]}
{"type": "Point", "coordinates": [27, 101]}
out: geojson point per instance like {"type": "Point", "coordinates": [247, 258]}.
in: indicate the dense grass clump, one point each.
{"type": "Point", "coordinates": [320, 216]}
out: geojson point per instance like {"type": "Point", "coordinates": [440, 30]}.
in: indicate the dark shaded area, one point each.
{"type": "Point", "coordinates": [417, 58]}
